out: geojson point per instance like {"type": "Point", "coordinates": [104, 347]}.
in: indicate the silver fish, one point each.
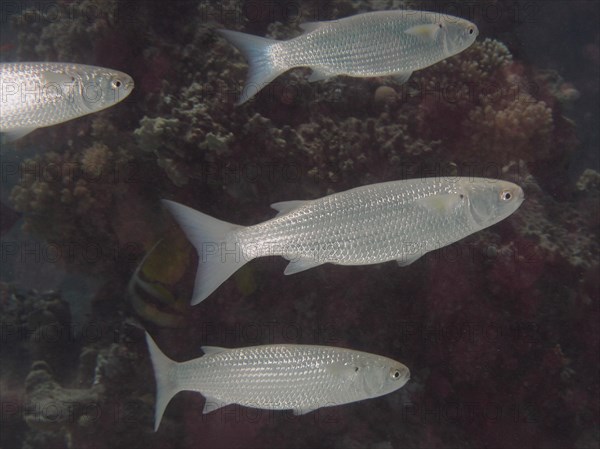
{"type": "Point", "coordinates": [302, 378]}
{"type": "Point", "coordinates": [39, 94]}
{"type": "Point", "coordinates": [377, 43]}
{"type": "Point", "coordinates": [398, 220]}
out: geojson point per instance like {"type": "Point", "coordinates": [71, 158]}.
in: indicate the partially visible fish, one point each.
{"type": "Point", "coordinates": [377, 43]}
{"type": "Point", "coordinates": [154, 287]}
{"type": "Point", "coordinates": [302, 378]}
{"type": "Point", "coordinates": [38, 94]}
{"type": "Point", "coordinates": [398, 220]}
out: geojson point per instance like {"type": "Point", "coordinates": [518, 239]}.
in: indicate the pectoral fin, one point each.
{"type": "Point", "coordinates": [427, 31]}
{"type": "Point", "coordinates": [342, 371]}
{"type": "Point", "coordinates": [56, 78]}
{"type": "Point", "coordinates": [440, 204]}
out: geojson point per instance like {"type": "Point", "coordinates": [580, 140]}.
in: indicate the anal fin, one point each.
{"type": "Point", "coordinates": [212, 404]}
{"type": "Point", "coordinates": [17, 133]}
{"type": "Point", "coordinates": [319, 74]}
{"type": "Point", "coordinates": [407, 260]}
{"type": "Point", "coordinates": [403, 77]}
{"type": "Point", "coordinates": [301, 264]}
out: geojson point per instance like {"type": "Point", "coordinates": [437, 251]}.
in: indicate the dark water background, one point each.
{"type": "Point", "coordinates": [500, 330]}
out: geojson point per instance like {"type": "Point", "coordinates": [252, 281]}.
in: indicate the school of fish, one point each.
{"type": "Point", "coordinates": [398, 220]}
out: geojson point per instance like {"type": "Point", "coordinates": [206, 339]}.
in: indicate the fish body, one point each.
{"type": "Point", "coordinates": [302, 378]}
{"type": "Point", "coordinates": [377, 43]}
{"type": "Point", "coordinates": [398, 220]}
{"type": "Point", "coordinates": [39, 94]}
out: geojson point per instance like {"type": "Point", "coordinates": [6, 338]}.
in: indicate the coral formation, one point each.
{"type": "Point", "coordinates": [499, 330]}
{"type": "Point", "coordinates": [69, 199]}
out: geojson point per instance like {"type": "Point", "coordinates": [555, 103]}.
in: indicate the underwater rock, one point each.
{"type": "Point", "coordinates": [34, 326]}
{"type": "Point", "coordinates": [561, 230]}
{"type": "Point", "coordinates": [66, 400]}
{"type": "Point", "coordinates": [52, 407]}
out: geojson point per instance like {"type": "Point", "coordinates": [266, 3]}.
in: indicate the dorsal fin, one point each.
{"type": "Point", "coordinates": [307, 27]}
{"type": "Point", "coordinates": [212, 350]}
{"type": "Point", "coordinates": [284, 207]}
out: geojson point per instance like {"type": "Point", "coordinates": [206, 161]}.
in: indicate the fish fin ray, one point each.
{"type": "Point", "coordinates": [166, 382]}
{"type": "Point", "coordinates": [283, 207]}
{"type": "Point", "coordinates": [301, 411]}
{"type": "Point", "coordinates": [209, 236]}
{"type": "Point", "coordinates": [297, 265]}
{"type": "Point", "coordinates": [262, 69]}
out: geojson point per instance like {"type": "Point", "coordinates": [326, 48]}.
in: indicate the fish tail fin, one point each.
{"type": "Point", "coordinates": [262, 69]}
{"type": "Point", "coordinates": [218, 255]}
{"type": "Point", "coordinates": [166, 379]}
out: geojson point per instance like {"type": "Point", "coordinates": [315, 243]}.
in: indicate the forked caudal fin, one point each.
{"type": "Point", "coordinates": [257, 51]}
{"type": "Point", "coordinates": [166, 379]}
{"type": "Point", "coordinates": [218, 256]}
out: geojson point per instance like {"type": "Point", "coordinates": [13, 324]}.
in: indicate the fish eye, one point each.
{"type": "Point", "coordinates": [471, 30]}
{"type": "Point", "coordinates": [440, 25]}
{"type": "Point", "coordinates": [395, 374]}
{"type": "Point", "coordinates": [116, 84]}
{"type": "Point", "coordinates": [506, 195]}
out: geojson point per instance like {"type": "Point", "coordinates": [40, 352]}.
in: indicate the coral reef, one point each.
{"type": "Point", "coordinates": [499, 330]}
{"type": "Point", "coordinates": [70, 198]}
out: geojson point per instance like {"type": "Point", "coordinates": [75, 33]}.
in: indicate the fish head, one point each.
{"type": "Point", "coordinates": [458, 34]}
{"type": "Point", "coordinates": [100, 88]}
{"type": "Point", "coordinates": [490, 200]}
{"type": "Point", "coordinates": [380, 376]}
